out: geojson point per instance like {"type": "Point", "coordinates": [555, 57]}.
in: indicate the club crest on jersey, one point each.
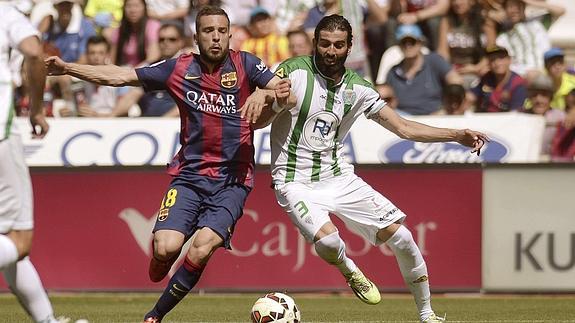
{"type": "Point", "coordinates": [349, 97]}
{"type": "Point", "coordinates": [163, 214]}
{"type": "Point", "coordinates": [229, 79]}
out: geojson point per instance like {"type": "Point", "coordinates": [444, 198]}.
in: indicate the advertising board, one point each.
{"type": "Point", "coordinates": [93, 232]}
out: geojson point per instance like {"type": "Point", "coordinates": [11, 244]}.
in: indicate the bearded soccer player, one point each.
{"type": "Point", "coordinates": [213, 171]}
{"type": "Point", "coordinates": [311, 179]}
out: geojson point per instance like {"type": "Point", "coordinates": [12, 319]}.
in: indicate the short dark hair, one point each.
{"type": "Point", "coordinates": [210, 11]}
{"type": "Point", "coordinates": [454, 92]}
{"type": "Point", "coordinates": [173, 24]}
{"type": "Point", "coordinates": [519, 2]}
{"type": "Point", "coordinates": [333, 23]}
{"type": "Point", "coordinates": [95, 40]}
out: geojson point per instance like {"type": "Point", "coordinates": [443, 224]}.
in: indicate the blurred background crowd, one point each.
{"type": "Point", "coordinates": [425, 57]}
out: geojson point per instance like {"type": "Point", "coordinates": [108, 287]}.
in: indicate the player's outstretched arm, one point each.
{"type": "Point", "coordinates": [416, 131]}
{"type": "Point", "coordinates": [111, 75]}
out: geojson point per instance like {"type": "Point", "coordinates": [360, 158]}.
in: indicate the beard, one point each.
{"type": "Point", "coordinates": [207, 55]}
{"type": "Point", "coordinates": [327, 68]}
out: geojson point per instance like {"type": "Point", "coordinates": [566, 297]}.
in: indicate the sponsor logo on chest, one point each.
{"type": "Point", "coordinates": [212, 102]}
{"type": "Point", "coordinates": [319, 130]}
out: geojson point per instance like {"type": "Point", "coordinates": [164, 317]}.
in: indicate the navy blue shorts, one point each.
{"type": "Point", "coordinates": [187, 209]}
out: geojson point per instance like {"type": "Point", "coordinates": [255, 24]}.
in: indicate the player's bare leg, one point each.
{"type": "Point", "coordinates": [204, 243]}
{"type": "Point", "coordinates": [167, 245]}
{"type": "Point", "coordinates": [331, 248]}
{"type": "Point", "coordinates": [412, 267]}
{"type": "Point", "coordinates": [24, 281]}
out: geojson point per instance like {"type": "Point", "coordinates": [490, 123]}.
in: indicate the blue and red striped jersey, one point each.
{"type": "Point", "coordinates": [508, 96]}
{"type": "Point", "coordinates": [217, 144]}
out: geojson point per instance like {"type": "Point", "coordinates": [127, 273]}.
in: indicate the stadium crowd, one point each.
{"type": "Point", "coordinates": [425, 57]}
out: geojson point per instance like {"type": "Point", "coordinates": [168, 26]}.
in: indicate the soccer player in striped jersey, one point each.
{"type": "Point", "coordinates": [311, 178]}
{"type": "Point", "coordinates": [213, 171]}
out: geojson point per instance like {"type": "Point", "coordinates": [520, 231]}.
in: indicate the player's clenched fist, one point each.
{"type": "Point", "coordinates": [282, 93]}
{"type": "Point", "coordinates": [283, 89]}
{"type": "Point", "coordinates": [55, 65]}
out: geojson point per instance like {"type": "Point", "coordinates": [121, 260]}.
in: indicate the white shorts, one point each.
{"type": "Point", "coordinates": [15, 187]}
{"type": "Point", "coordinates": [362, 209]}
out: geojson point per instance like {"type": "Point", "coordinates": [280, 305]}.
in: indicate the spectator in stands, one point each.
{"type": "Point", "coordinates": [379, 33]}
{"type": "Point", "coordinates": [563, 82]}
{"type": "Point", "coordinates": [69, 31]}
{"type": "Point", "coordinates": [527, 55]}
{"type": "Point", "coordinates": [500, 90]}
{"type": "Point", "coordinates": [355, 12]}
{"type": "Point", "coordinates": [290, 15]}
{"type": "Point", "coordinates": [570, 110]}
{"type": "Point", "coordinates": [563, 144]}
{"type": "Point", "coordinates": [157, 103]}
{"type": "Point", "coordinates": [463, 34]}
{"type": "Point", "coordinates": [454, 100]}
{"type": "Point", "coordinates": [494, 11]}
{"type": "Point", "coordinates": [240, 10]}
{"type": "Point", "coordinates": [135, 43]}
{"type": "Point", "coordinates": [105, 14]}
{"type": "Point", "coordinates": [540, 92]}
{"type": "Point", "coordinates": [419, 79]}
{"type": "Point", "coordinates": [168, 9]}
{"type": "Point", "coordinates": [92, 100]}
{"type": "Point", "coordinates": [66, 33]}
{"type": "Point", "coordinates": [425, 13]}
{"type": "Point", "coordinates": [391, 57]}
{"type": "Point", "coordinates": [299, 43]}
{"type": "Point", "coordinates": [263, 40]}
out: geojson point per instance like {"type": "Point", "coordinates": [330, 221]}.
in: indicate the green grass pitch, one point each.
{"type": "Point", "coordinates": [130, 307]}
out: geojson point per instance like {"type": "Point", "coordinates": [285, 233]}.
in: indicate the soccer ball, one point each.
{"type": "Point", "coordinates": [275, 307]}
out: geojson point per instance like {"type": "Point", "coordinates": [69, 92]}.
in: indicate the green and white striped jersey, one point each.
{"type": "Point", "coordinates": [307, 141]}
{"type": "Point", "coordinates": [14, 27]}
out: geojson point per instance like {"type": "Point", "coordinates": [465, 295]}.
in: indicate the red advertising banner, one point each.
{"type": "Point", "coordinates": [93, 232]}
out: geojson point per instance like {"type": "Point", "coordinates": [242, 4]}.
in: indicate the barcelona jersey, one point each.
{"type": "Point", "coordinates": [217, 144]}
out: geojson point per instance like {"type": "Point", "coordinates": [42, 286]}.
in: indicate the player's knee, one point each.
{"type": "Point", "coordinates": [200, 253]}
{"type": "Point", "coordinates": [23, 242]}
{"type": "Point", "coordinates": [331, 248]}
{"type": "Point", "coordinates": [402, 241]}
{"type": "Point", "coordinates": [204, 245]}
{"type": "Point", "coordinates": [166, 247]}
{"type": "Point", "coordinates": [386, 233]}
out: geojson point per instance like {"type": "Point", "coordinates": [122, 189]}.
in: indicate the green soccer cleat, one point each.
{"type": "Point", "coordinates": [434, 319]}
{"type": "Point", "coordinates": [363, 288]}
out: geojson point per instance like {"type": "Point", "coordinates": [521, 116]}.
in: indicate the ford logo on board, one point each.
{"type": "Point", "coordinates": [410, 152]}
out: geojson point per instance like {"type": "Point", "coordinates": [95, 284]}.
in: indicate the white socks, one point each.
{"type": "Point", "coordinates": [413, 269]}
{"type": "Point", "coordinates": [25, 283]}
{"type": "Point", "coordinates": [332, 249]}
{"type": "Point", "coordinates": [8, 252]}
